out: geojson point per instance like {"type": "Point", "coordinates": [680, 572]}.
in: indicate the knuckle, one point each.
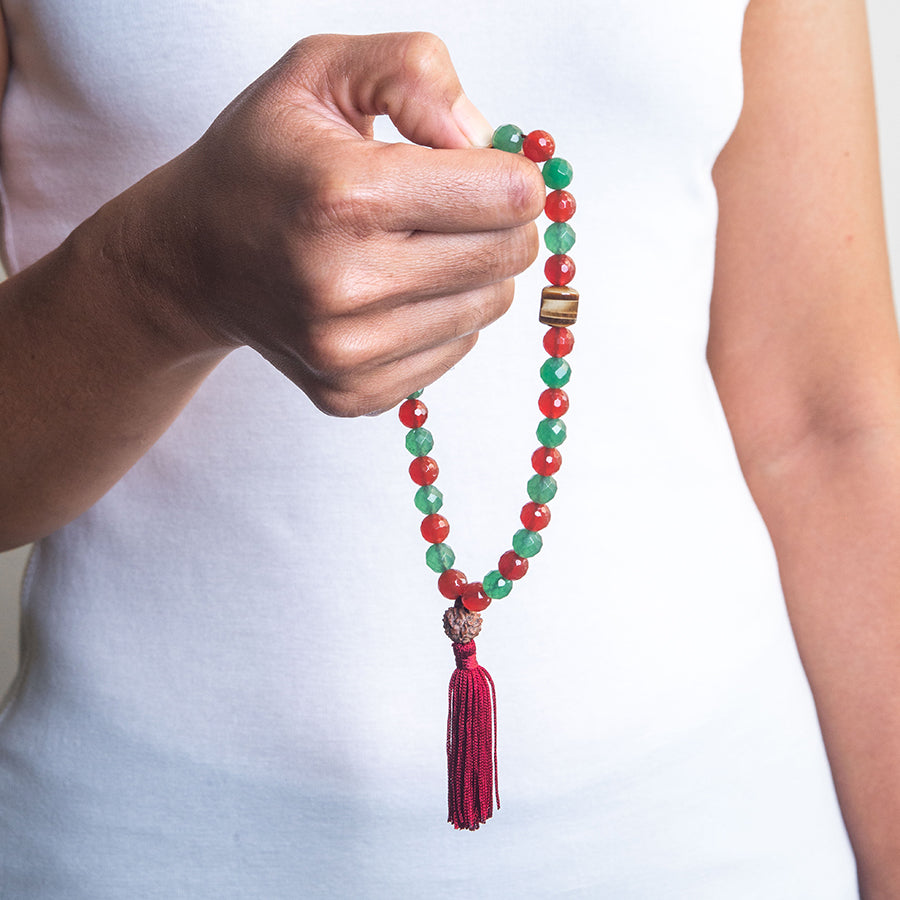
{"type": "Point", "coordinates": [423, 57]}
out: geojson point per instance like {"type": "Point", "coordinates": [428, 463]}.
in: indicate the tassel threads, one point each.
{"type": "Point", "coordinates": [472, 780]}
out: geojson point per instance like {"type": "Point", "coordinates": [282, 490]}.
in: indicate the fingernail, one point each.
{"type": "Point", "coordinates": [471, 123]}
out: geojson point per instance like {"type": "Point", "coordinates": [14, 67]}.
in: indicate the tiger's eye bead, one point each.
{"type": "Point", "coordinates": [439, 557]}
{"type": "Point", "coordinates": [419, 441]}
{"type": "Point", "coordinates": [434, 528]}
{"type": "Point", "coordinates": [451, 583]}
{"type": "Point", "coordinates": [413, 413]}
{"type": "Point", "coordinates": [555, 372]}
{"type": "Point", "coordinates": [424, 470]}
{"type": "Point", "coordinates": [559, 237]}
{"type": "Point", "coordinates": [512, 566]}
{"type": "Point", "coordinates": [559, 269]}
{"type": "Point", "coordinates": [559, 305]}
{"type": "Point", "coordinates": [559, 341]}
{"type": "Point", "coordinates": [546, 460]}
{"type": "Point", "coordinates": [538, 146]}
{"type": "Point", "coordinates": [559, 206]}
{"type": "Point", "coordinates": [527, 543]}
{"type": "Point", "coordinates": [551, 432]}
{"type": "Point", "coordinates": [557, 173]}
{"type": "Point", "coordinates": [474, 598]}
{"type": "Point", "coordinates": [553, 403]}
{"type": "Point", "coordinates": [535, 516]}
{"type": "Point", "coordinates": [508, 138]}
{"type": "Point", "coordinates": [496, 586]}
{"type": "Point", "coordinates": [428, 499]}
{"type": "Point", "coordinates": [541, 489]}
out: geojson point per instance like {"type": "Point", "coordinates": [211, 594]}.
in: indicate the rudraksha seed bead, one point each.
{"type": "Point", "coordinates": [423, 470]}
{"type": "Point", "coordinates": [474, 598]}
{"type": "Point", "coordinates": [527, 543]}
{"type": "Point", "coordinates": [496, 586]}
{"type": "Point", "coordinates": [461, 625]}
{"type": "Point", "coordinates": [434, 528]}
{"type": "Point", "coordinates": [508, 138]}
{"type": "Point", "coordinates": [551, 432]}
{"type": "Point", "coordinates": [559, 237]}
{"type": "Point", "coordinates": [556, 372]}
{"type": "Point", "coordinates": [559, 269]}
{"type": "Point", "coordinates": [451, 584]}
{"type": "Point", "coordinates": [439, 557]}
{"type": "Point", "coordinates": [546, 461]}
{"type": "Point", "coordinates": [541, 489]}
{"type": "Point", "coordinates": [559, 341]}
{"type": "Point", "coordinates": [535, 516]}
{"type": "Point", "coordinates": [538, 146]}
{"type": "Point", "coordinates": [413, 413]}
{"type": "Point", "coordinates": [553, 403]}
{"type": "Point", "coordinates": [428, 499]}
{"type": "Point", "coordinates": [557, 173]}
{"type": "Point", "coordinates": [559, 206]}
{"type": "Point", "coordinates": [512, 566]}
{"type": "Point", "coordinates": [419, 441]}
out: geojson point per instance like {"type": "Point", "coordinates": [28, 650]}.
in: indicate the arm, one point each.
{"type": "Point", "coordinates": [804, 350]}
{"type": "Point", "coordinates": [103, 341]}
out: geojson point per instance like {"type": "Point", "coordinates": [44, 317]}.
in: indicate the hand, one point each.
{"type": "Point", "coordinates": [362, 270]}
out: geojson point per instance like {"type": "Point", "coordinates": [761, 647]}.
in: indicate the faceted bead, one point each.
{"type": "Point", "coordinates": [413, 413]}
{"type": "Point", "coordinates": [559, 237]}
{"type": "Point", "coordinates": [509, 138]}
{"type": "Point", "coordinates": [474, 598]}
{"type": "Point", "coordinates": [546, 460]}
{"type": "Point", "coordinates": [527, 543]}
{"type": "Point", "coordinates": [551, 432]}
{"type": "Point", "coordinates": [428, 499]}
{"type": "Point", "coordinates": [439, 557]}
{"type": "Point", "coordinates": [416, 394]}
{"type": "Point", "coordinates": [559, 206]}
{"type": "Point", "coordinates": [557, 173]}
{"type": "Point", "coordinates": [434, 528]}
{"type": "Point", "coordinates": [451, 583]}
{"type": "Point", "coordinates": [559, 341]}
{"type": "Point", "coordinates": [512, 566]}
{"type": "Point", "coordinates": [423, 470]}
{"type": "Point", "coordinates": [496, 586]}
{"type": "Point", "coordinates": [419, 441]}
{"type": "Point", "coordinates": [559, 269]}
{"type": "Point", "coordinates": [541, 489]}
{"type": "Point", "coordinates": [535, 516]}
{"type": "Point", "coordinates": [555, 372]}
{"type": "Point", "coordinates": [538, 146]}
{"type": "Point", "coordinates": [553, 403]}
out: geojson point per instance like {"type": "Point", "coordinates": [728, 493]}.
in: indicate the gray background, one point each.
{"type": "Point", "coordinates": [884, 20]}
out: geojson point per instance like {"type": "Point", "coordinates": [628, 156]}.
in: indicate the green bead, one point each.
{"type": "Point", "coordinates": [555, 373]}
{"type": "Point", "coordinates": [439, 557]}
{"type": "Point", "coordinates": [416, 394]}
{"type": "Point", "coordinates": [541, 489]}
{"type": "Point", "coordinates": [527, 543]}
{"type": "Point", "coordinates": [496, 586]}
{"type": "Point", "coordinates": [419, 441]}
{"type": "Point", "coordinates": [551, 432]}
{"type": "Point", "coordinates": [509, 138]}
{"type": "Point", "coordinates": [428, 500]}
{"type": "Point", "coordinates": [559, 237]}
{"type": "Point", "coordinates": [557, 173]}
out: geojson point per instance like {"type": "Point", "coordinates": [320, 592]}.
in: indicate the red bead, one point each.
{"type": "Point", "coordinates": [546, 460]}
{"type": "Point", "coordinates": [512, 566]}
{"type": "Point", "coordinates": [451, 584]}
{"type": "Point", "coordinates": [559, 206]}
{"type": "Point", "coordinates": [559, 269]}
{"type": "Point", "coordinates": [413, 413]}
{"type": "Point", "coordinates": [538, 146]}
{"type": "Point", "coordinates": [559, 342]}
{"type": "Point", "coordinates": [434, 528]}
{"type": "Point", "coordinates": [423, 470]}
{"type": "Point", "coordinates": [535, 516]}
{"type": "Point", "coordinates": [474, 598]}
{"type": "Point", "coordinates": [553, 403]}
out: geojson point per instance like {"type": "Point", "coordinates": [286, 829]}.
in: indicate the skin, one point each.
{"type": "Point", "coordinates": [803, 342]}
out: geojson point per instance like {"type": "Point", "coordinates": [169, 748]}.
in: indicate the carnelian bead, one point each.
{"type": "Point", "coordinates": [535, 516]}
{"type": "Point", "coordinates": [423, 470]}
{"type": "Point", "coordinates": [474, 598]}
{"type": "Point", "coordinates": [451, 584]}
{"type": "Point", "coordinates": [559, 341]}
{"type": "Point", "coordinates": [413, 413]}
{"type": "Point", "coordinates": [559, 269]}
{"type": "Point", "coordinates": [559, 206]}
{"type": "Point", "coordinates": [512, 566]}
{"type": "Point", "coordinates": [538, 146]}
{"type": "Point", "coordinates": [546, 460]}
{"type": "Point", "coordinates": [553, 403]}
{"type": "Point", "coordinates": [434, 528]}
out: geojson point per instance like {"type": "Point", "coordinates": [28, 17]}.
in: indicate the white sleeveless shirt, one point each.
{"type": "Point", "coordinates": [233, 677]}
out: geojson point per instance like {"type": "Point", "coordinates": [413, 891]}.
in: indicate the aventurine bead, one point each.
{"type": "Point", "coordinates": [451, 584]}
{"type": "Point", "coordinates": [423, 470]}
{"type": "Point", "coordinates": [509, 138]}
{"type": "Point", "coordinates": [439, 557]}
{"type": "Point", "coordinates": [557, 173]}
{"type": "Point", "coordinates": [559, 269]}
{"type": "Point", "coordinates": [419, 441]}
{"type": "Point", "coordinates": [541, 489]}
{"type": "Point", "coordinates": [434, 528]}
{"type": "Point", "coordinates": [496, 586]}
{"type": "Point", "coordinates": [546, 460]}
{"type": "Point", "coordinates": [527, 543]}
{"type": "Point", "coordinates": [553, 403]}
{"type": "Point", "coordinates": [428, 499]}
{"type": "Point", "coordinates": [535, 516]}
{"type": "Point", "coordinates": [551, 432]}
{"type": "Point", "coordinates": [559, 237]}
{"type": "Point", "coordinates": [559, 206]}
{"type": "Point", "coordinates": [413, 413]}
{"type": "Point", "coordinates": [559, 341]}
{"type": "Point", "coordinates": [474, 598]}
{"type": "Point", "coordinates": [555, 373]}
{"type": "Point", "coordinates": [538, 146]}
{"type": "Point", "coordinates": [512, 566]}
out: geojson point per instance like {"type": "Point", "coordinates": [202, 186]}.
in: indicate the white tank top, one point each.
{"type": "Point", "coordinates": [234, 676]}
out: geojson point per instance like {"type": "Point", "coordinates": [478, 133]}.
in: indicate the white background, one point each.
{"type": "Point", "coordinates": [884, 19]}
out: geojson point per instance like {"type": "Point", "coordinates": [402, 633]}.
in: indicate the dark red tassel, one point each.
{"type": "Point", "coordinates": [471, 742]}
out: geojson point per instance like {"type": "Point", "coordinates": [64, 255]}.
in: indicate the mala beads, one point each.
{"type": "Point", "coordinates": [472, 720]}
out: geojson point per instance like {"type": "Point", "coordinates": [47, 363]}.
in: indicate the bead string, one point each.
{"type": "Point", "coordinates": [559, 305]}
